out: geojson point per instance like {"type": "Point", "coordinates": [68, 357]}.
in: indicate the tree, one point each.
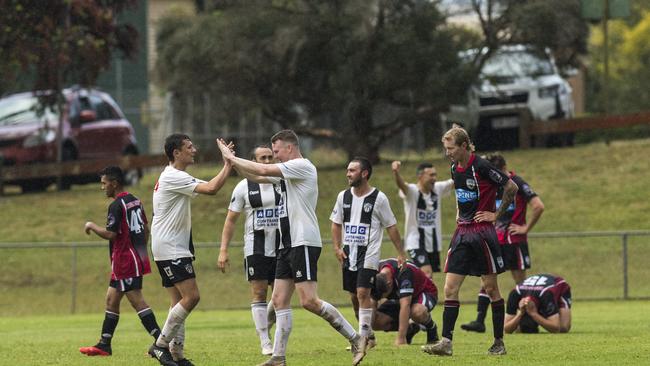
{"type": "Point", "coordinates": [58, 42]}
{"type": "Point", "coordinates": [355, 72]}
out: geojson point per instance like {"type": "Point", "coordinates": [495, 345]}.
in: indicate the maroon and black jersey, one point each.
{"type": "Point", "coordinates": [516, 212]}
{"type": "Point", "coordinates": [409, 281]}
{"type": "Point", "coordinates": [476, 187]}
{"type": "Point", "coordinates": [550, 293]}
{"type": "Point", "coordinates": [128, 250]}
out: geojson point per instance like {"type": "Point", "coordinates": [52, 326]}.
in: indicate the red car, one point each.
{"type": "Point", "coordinates": [94, 127]}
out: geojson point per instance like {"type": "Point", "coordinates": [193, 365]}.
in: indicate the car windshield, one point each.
{"type": "Point", "coordinates": [510, 64]}
{"type": "Point", "coordinates": [19, 110]}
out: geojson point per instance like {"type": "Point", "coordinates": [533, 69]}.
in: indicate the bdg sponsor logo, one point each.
{"type": "Point", "coordinates": [464, 196]}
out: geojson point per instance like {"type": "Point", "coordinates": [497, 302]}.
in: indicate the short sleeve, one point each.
{"type": "Point", "coordinates": [384, 212]}
{"type": "Point", "coordinates": [547, 305]}
{"type": "Point", "coordinates": [337, 212]}
{"type": "Point", "coordinates": [405, 282]}
{"type": "Point", "coordinates": [238, 197]}
{"type": "Point", "coordinates": [412, 191]}
{"type": "Point", "coordinates": [491, 173]}
{"type": "Point", "coordinates": [444, 188]}
{"type": "Point", "coordinates": [114, 217]}
{"type": "Point", "coordinates": [296, 169]}
{"type": "Point", "coordinates": [183, 183]}
{"type": "Point", "coordinates": [524, 188]}
{"type": "Point", "coordinates": [513, 302]}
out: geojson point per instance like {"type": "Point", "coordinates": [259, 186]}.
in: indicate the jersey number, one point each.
{"type": "Point", "coordinates": [135, 222]}
{"type": "Point", "coordinates": [536, 281]}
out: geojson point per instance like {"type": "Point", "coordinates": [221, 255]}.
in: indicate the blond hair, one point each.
{"type": "Point", "coordinates": [458, 135]}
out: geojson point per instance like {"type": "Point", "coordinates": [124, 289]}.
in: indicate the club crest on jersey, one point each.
{"type": "Point", "coordinates": [470, 183]}
{"type": "Point", "coordinates": [251, 271]}
{"type": "Point", "coordinates": [277, 189]}
{"type": "Point", "coordinates": [367, 207]}
{"type": "Point", "coordinates": [188, 268]}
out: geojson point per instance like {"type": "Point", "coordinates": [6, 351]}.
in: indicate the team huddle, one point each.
{"type": "Point", "coordinates": [282, 245]}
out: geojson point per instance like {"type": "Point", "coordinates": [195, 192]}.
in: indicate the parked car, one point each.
{"type": "Point", "coordinates": [513, 79]}
{"type": "Point", "coordinates": [94, 127]}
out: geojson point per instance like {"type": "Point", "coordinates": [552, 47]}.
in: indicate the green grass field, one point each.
{"type": "Point", "coordinates": [603, 333]}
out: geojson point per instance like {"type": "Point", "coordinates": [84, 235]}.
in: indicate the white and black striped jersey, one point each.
{"type": "Point", "coordinates": [260, 204]}
{"type": "Point", "coordinates": [422, 227]}
{"type": "Point", "coordinates": [297, 207]}
{"type": "Point", "coordinates": [363, 220]}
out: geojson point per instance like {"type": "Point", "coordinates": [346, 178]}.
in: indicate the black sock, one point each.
{"type": "Point", "coordinates": [108, 328]}
{"type": "Point", "coordinates": [449, 316]}
{"type": "Point", "coordinates": [428, 324]}
{"type": "Point", "coordinates": [498, 313]}
{"type": "Point", "coordinates": [148, 319]}
{"type": "Point", "coordinates": [482, 306]}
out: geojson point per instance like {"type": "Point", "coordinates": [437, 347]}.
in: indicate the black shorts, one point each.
{"type": "Point", "coordinates": [422, 258]}
{"type": "Point", "coordinates": [259, 267]}
{"type": "Point", "coordinates": [127, 284]}
{"type": "Point", "coordinates": [516, 256]}
{"type": "Point", "coordinates": [364, 277]}
{"type": "Point", "coordinates": [175, 271]}
{"type": "Point", "coordinates": [298, 263]}
{"type": "Point", "coordinates": [391, 307]}
{"type": "Point", "coordinates": [474, 251]}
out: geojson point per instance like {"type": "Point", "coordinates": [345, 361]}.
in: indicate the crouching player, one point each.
{"type": "Point", "coordinates": [540, 300]}
{"type": "Point", "coordinates": [411, 295]}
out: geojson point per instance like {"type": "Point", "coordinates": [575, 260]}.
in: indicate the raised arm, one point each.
{"type": "Point", "coordinates": [401, 184]}
{"type": "Point", "coordinates": [215, 184]}
{"type": "Point", "coordinates": [247, 167]}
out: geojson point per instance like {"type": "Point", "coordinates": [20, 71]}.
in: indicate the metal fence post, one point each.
{"type": "Point", "coordinates": [73, 292]}
{"type": "Point", "coordinates": [625, 281]}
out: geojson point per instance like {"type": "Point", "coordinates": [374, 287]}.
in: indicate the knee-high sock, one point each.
{"type": "Point", "coordinates": [336, 320]}
{"type": "Point", "coordinates": [109, 325]}
{"type": "Point", "coordinates": [365, 321]}
{"type": "Point", "coordinates": [260, 318]}
{"type": "Point", "coordinates": [449, 316]}
{"type": "Point", "coordinates": [149, 322]}
{"type": "Point", "coordinates": [482, 306]}
{"type": "Point", "coordinates": [175, 319]}
{"type": "Point", "coordinates": [498, 313]}
{"type": "Point", "coordinates": [177, 345]}
{"type": "Point", "coordinates": [283, 325]}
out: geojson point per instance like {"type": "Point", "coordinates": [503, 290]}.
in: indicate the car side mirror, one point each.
{"type": "Point", "coordinates": [87, 115]}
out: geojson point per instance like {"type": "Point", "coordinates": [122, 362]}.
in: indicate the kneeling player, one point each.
{"type": "Point", "coordinates": [540, 300]}
{"type": "Point", "coordinates": [410, 294]}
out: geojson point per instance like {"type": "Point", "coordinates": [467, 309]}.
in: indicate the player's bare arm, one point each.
{"type": "Point", "coordinates": [226, 237]}
{"type": "Point", "coordinates": [404, 316]}
{"type": "Point", "coordinates": [509, 191]}
{"type": "Point", "coordinates": [252, 177]}
{"type": "Point", "coordinates": [100, 231]}
{"type": "Point", "coordinates": [214, 185]}
{"type": "Point", "coordinates": [551, 324]}
{"type": "Point", "coordinates": [537, 208]}
{"type": "Point", "coordinates": [336, 242]}
{"type": "Point", "coordinates": [246, 166]}
{"type": "Point", "coordinates": [393, 233]}
{"type": "Point", "coordinates": [401, 184]}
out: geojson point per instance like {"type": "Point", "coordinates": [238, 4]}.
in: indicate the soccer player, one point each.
{"type": "Point", "coordinates": [300, 242]}
{"type": "Point", "coordinates": [423, 234]}
{"type": "Point", "coordinates": [541, 299]}
{"type": "Point", "coordinates": [410, 294]}
{"type": "Point", "coordinates": [474, 248]}
{"type": "Point", "coordinates": [511, 230]}
{"type": "Point", "coordinates": [172, 247]}
{"type": "Point", "coordinates": [359, 216]}
{"type": "Point", "coordinates": [259, 202]}
{"type": "Point", "coordinates": [127, 232]}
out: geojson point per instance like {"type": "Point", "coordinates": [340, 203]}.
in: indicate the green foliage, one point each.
{"type": "Point", "coordinates": [603, 333]}
{"type": "Point", "coordinates": [61, 41]}
{"type": "Point", "coordinates": [365, 69]}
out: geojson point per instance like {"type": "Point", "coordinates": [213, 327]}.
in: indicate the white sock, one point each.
{"type": "Point", "coordinates": [336, 320]}
{"type": "Point", "coordinates": [260, 318]}
{"type": "Point", "coordinates": [177, 344]}
{"type": "Point", "coordinates": [176, 317]}
{"type": "Point", "coordinates": [283, 327]}
{"type": "Point", "coordinates": [365, 321]}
